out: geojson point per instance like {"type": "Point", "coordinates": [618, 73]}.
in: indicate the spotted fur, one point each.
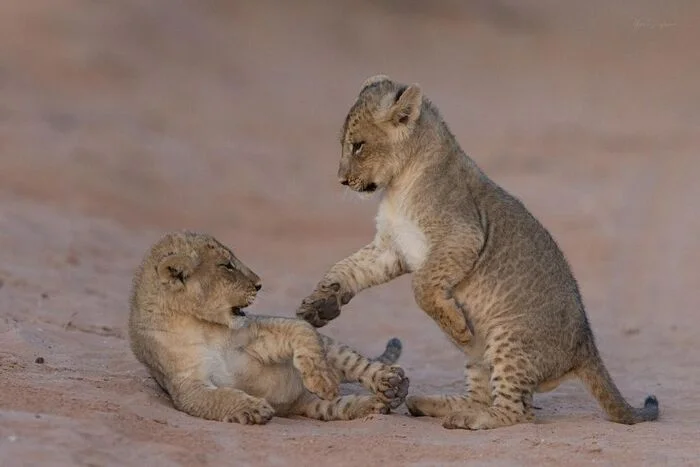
{"type": "Point", "coordinates": [484, 269]}
{"type": "Point", "coordinates": [216, 362]}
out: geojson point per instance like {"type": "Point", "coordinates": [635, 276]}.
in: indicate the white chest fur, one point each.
{"type": "Point", "coordinates": [406, 237]}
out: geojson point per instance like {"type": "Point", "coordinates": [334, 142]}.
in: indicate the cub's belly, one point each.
{"type": "Point", "coordinates": [279, 384]}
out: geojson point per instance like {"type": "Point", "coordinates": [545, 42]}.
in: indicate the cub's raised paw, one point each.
{"type": "Point", "coordinates": [255, 412]}
{"type": "Point", "coordinates": [323, 383]}
{"type": "Point", "coordinates": [391, 385]}
{"type": "Point", "coordinates": [323, 305]}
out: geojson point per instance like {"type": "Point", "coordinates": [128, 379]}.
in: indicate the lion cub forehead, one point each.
{"type": "Point", "coordinates": [189, 243]}
{"type": "Point", "coordinates": [180, 240]}
{"type": "Point", "coordinates": [376, 94]}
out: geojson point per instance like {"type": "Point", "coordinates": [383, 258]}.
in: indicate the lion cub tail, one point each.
{"type": "Point", "coordinates": [596, 377]}
{"type": "Point", "coordinates": [391, 353]}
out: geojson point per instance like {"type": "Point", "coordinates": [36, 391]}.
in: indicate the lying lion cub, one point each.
{"type": "Point", "coordinates": [188, 328]}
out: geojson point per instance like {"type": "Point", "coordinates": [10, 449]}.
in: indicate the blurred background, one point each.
{"type": "Point", "coordinates": [120, 120]}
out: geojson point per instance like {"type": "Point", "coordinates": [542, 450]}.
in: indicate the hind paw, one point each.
{"type": "Point", "coordinates": [390, 384]}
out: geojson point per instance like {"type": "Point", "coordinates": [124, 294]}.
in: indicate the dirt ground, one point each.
{"type": "Point", "coordinates": [122, 119]}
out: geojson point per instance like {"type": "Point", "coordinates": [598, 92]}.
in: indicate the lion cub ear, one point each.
{"type": "Point", "coordinates": [176, 268]}
{"type": "Point", "coordinates": [405, 109]}
{"type": "Point", "coordinates": [399, 110]}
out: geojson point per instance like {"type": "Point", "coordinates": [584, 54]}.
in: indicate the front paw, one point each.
{"type": "Point", "coordinates": [391, 384]}
{"type": "Point", "coordinates": [323, 305]}
{"type": "Point", "coordinates": [323, 383]}
{"type": "Point", "coordinates": [254, 412]}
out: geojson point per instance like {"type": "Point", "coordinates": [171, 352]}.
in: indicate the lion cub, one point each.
{"type": "Point", "coordinates": [483, 267]}
{"type": "Point", "coordinates": [187, 326]}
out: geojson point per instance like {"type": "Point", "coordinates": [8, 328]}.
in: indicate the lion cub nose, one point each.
{"type": "Point", "coordinates": [258, 286]}
{"type": "Point", "coordinates": [344, 181]}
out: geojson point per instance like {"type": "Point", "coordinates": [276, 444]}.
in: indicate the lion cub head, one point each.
{"type": "Point", "coordinates": [192, 273]}
{"type": "Point", "coordinates": [376, 131]}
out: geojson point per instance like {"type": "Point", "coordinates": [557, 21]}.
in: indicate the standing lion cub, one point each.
{"type": "Point", "coordinates": [187, 326]}
{"type": "Point", "coordinates": [483, 267]}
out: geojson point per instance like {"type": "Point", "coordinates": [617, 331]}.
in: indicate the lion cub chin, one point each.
{"type": "Point", "coordinates": [188, 327]}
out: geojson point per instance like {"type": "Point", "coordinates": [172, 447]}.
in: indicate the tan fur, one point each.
{"type": "Point", "coordinates": [188, 328]}
{"type": "Point", "coordinates": [483, 267]}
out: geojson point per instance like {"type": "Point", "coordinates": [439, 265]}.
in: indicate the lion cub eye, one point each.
{"type": "Point", "coordinates": [357, 148]}
{"type": "Point", "coordinates": [228, 266]}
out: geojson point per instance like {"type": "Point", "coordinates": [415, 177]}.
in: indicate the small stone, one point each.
{"type": "Point", "coordinates": [39, 360]}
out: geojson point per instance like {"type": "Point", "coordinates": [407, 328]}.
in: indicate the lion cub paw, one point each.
{"type": "Point", "coordinates": [323, 305]}
{"type": "Point", "coordinates": [391, 385]}
{"type": "Point", "coordinates": [254, 412]}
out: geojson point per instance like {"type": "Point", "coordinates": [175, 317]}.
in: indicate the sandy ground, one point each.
{"type": "Point", "coordinates": [122, 119]}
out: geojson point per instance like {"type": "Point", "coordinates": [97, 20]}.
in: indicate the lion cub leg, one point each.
{"type": "Point", "coordinates": [221, 404]}
{"type": "Point", "coordinates": [369, 266]}
{"type": "Point", "coordinates": [388, 383]}
{"type": "Point", "coordinates": [274, 340]}
{"type": "Point", "coordinates": [342, 408]}
{"type": "Point", "coordinates": [512, 385]}
{"type": "Point", "coordinates": [434, 286]}
{"type": "Point", "coordinates": [478, 393]}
